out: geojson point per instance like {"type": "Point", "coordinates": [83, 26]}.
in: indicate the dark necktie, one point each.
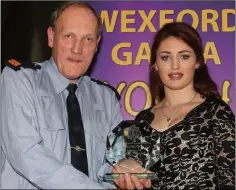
{"type": "Point", "coordinates": [76, 131]}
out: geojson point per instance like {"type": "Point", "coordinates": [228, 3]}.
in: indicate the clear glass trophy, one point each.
{"type": "Point", "coordinates": [133, 140]}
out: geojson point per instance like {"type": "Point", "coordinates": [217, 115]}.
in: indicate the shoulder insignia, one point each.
{"type": "Point", "coordinates": [16, 65]}
{"type": "Point", "coordinates": [109, 86]}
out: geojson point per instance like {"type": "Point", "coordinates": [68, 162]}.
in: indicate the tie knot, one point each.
{"type": "Point", "coordinates": [72, 88]}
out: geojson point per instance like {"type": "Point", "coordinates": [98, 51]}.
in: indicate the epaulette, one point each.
{"type": "Point", "coordinates": [109, 86]}
{"type": "Point", "coordinates": [16, 65]}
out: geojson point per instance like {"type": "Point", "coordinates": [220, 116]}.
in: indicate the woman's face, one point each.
{"type": "Point", "coordinates": [176, 63]}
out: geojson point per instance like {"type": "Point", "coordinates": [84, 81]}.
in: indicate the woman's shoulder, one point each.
{"type": "Point", "coordinates": [145, 114]}
{"type": "Point", "coordinates": [219, 106]}
{"type": "Point", "coordinates": [218, 102]}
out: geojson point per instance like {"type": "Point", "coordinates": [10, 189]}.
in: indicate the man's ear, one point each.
{"type": "Point", "coordinates": [50, 33]}
{"type": "Point", "coordinates": [98, 40]}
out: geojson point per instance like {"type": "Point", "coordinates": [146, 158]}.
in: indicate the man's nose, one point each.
{"type": "Point", "coordinates": [77, 47]}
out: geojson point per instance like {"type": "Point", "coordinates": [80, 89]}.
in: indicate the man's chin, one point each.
{"type": "Point", "coordinates": [73, 76]}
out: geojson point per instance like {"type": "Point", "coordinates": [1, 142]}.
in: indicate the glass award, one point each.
{"type": "Point", "coordinates": [139, 148]}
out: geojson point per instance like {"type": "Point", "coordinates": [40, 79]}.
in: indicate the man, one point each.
{"type": "Point", "coordinates": [35, 117]}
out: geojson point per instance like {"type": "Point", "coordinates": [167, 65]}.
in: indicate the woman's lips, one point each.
{"type": "Point", "coordinates": [175, 76]}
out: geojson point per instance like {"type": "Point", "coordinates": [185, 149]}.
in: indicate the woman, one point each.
{"type": "Point", "coordinates": [194, 126]}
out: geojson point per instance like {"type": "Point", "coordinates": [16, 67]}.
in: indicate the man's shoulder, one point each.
{"type": "Point", "coordinates": [17, 64]}
{"type": "Point", "coordinates": [103, 86]}
{"type": "Point", "coordinates": [19, 71]}
{"type": "Point", "coordinates": [18, 67]}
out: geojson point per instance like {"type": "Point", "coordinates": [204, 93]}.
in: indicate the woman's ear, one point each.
{"type": "Point", "coordinates": [197, 65]}
{"type": "Point", "coordinates": [155, 66]}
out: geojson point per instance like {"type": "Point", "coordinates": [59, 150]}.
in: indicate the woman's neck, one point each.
{"type": "Point", "coordinates": [177, 97]}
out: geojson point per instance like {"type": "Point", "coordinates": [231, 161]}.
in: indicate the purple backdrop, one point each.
{"type": "Point", "coordinates": [107, 70]}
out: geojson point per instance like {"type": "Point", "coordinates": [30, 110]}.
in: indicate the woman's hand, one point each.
{"type": "Point", "coordinates": [128, 181]}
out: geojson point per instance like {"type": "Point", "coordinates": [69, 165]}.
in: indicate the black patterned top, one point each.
{"type": "Point", "coordinates": [196, 153]}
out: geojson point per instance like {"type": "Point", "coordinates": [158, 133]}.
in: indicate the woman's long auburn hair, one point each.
{"type": "Point", "coordinates": [203, 83]}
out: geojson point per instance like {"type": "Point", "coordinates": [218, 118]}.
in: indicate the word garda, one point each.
{"type": "Point", "coordinates": [122, 54]}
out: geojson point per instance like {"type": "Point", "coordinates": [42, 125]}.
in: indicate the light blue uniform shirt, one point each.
{"type": "Point", "coordinates": [35, 141]}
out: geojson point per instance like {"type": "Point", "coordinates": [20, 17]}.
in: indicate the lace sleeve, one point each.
{"type": "Point", "coordinates": [225, 147]}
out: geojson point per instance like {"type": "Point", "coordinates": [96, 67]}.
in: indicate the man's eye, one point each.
{"type": "Point", "coordinates": [90, 39]}
{"type": "Point", "coordinates": [67, 36]}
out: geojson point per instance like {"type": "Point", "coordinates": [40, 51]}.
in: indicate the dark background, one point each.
{"type": "Point", "coordinates": [24, 30]}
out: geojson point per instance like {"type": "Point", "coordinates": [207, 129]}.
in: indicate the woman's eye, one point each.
{"type": "Point", "coordinates": [164, 58]}
{"type": "Point", "coordinates": [184, 56]}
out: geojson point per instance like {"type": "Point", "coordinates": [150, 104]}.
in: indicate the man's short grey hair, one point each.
{"type": "Point", "coordinates": [58, 11]}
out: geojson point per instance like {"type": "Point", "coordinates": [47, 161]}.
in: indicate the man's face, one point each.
{"type": "Point", "coordinates": [74, 41]}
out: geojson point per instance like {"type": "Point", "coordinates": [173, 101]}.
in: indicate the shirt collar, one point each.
{"type": "Point", "coordinates": [58, 80]}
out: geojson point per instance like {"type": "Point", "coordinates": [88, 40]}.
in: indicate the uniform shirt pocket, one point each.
{"type": "Point", "coordinates": [96, 139]}
{"type": "Point", "coordinates": [52, 129]}
{"type": "Point", "coordinates": [99, 115]}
